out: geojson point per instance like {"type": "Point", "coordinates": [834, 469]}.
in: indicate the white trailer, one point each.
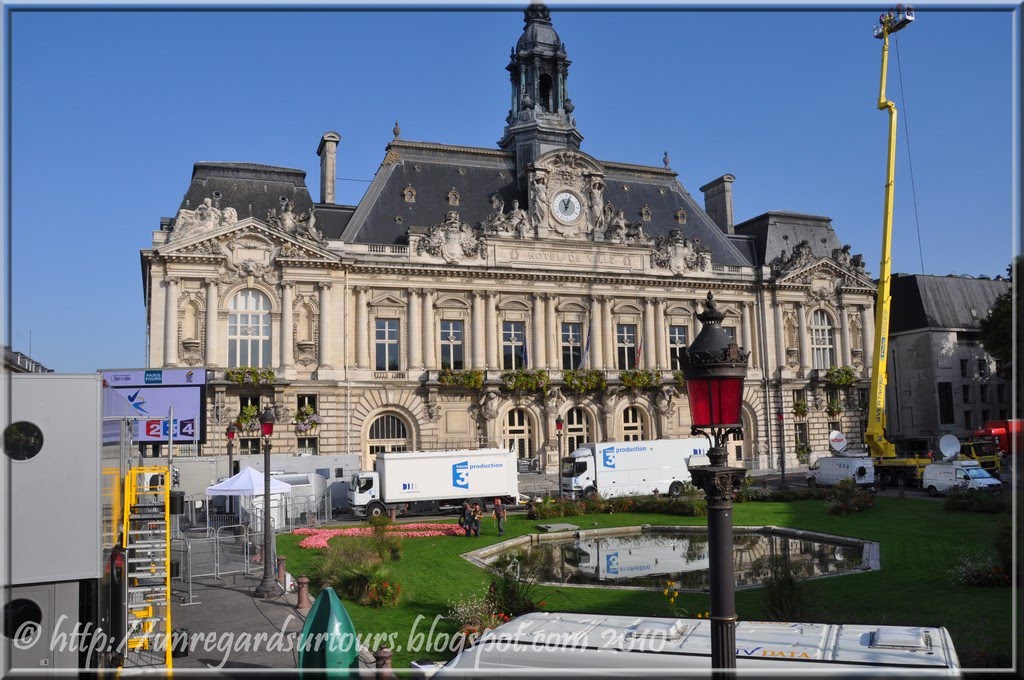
{"type": "Point", "coordinates": [631, 468]}
{"type": "Point", "coordinates": [432, 481]}
{"type": "Point", "coordinates": [550, 642]}
{"type": "Point", "coordinates": [616, 558]}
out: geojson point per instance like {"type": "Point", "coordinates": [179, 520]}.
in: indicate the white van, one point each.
{"type": "Point", "coordinates": [966, 474]}
{"type": "Point", "coordinates": [831, 470]}
{"type": "Point", "coordinates": [605, 645]}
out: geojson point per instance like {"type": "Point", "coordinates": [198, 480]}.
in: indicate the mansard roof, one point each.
{"type": "Point", "coordinates": [778, 230]}
{"type": "Point", "coordinates": [952, 302]}
{"type": "Point", "coordinates": [250, 188]}
{"type": "Point", "coordinates": [432, 171]}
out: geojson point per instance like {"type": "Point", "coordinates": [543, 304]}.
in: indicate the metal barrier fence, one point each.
{"type": "Point", "coordinates": [289, 512]}
{"type": "Point", "coordinates": [232, 549]}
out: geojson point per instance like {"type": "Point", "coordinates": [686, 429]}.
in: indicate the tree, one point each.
{"type": "Point", "coordinates": [996, 330]}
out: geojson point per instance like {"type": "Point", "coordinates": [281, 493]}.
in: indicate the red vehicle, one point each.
{"type": "Point", "coordinates": [1006, 433]}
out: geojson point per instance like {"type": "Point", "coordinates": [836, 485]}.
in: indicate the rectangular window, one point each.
{"type": "Point", "coordinates": [984, 393]}
{"type": "Point", "coordinates": [513, 345]}
{"type": "Point", "coordinates": [968, 420]}
{"type": "Point", "coordinates": [572, 346]}
{"type": "Point", "coordinates": [966, 391]}
{"type": "Point", "coordinates": [834, 425]}
{"type": "Point", "coordinates": [452, 343]}
{"type": "Point", "coordinates": [387, 344]}
{"type": "Point", "coordinates": [304, 400]}
{"type": "Point", "coordinates": [799, 395]}
{"type": "Point", "coordinates": [677, 346]}
{"type": "Point", "coordinates": [862, 393]}
{"type": "Point", "coordinates": [963, 368]}
{"type": "Point", "coordinates": [307, 446]}
{"type": "Point", "coordinates": [731, 332]}
{"type": "Point", "coordinates": [985, 416]}
{"type": "Point", "coordinates": [249, 445]}
{"type": "Point", "coordinates": [800, 434]}
{"type": "Point", "coordinates": [1000, 392]}
{"type": "Point", "coordinates": [1002, 414]}
{"type": "Point", "coordinates": [945, 403]}
{"type": "Point", "coordinates": [339, 473]}
{"type": "Point", "coordinates": [625, 346]}
{"type": "Point", "coordinates": [982, 368]}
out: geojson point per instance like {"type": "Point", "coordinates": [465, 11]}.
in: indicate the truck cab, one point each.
{"type": "Point", "coordinates": [576, 472]}
{"type": "Point", "coordinates": [363, 489]}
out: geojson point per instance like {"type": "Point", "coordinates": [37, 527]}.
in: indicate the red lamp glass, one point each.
{"type": "Point", "coordinates": [558, 424]}
{"type": "Point", "coordinates": [267, 420]}
{"type": "Point", "coordinates": [232, 430]}
{"type": "Point", "coordinates": [714, 368]}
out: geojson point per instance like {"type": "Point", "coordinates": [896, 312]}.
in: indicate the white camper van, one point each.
{"type": "Point", "coordinates": [631, 468]}
{"type": "Point", "coordinates": [964, 474]}
{"type": "Point", "coordinates": [429, 481]}
{"type": "Point", "coordinates": [845, 464]}
{"type": "Point", "coordinates": [544, 641]}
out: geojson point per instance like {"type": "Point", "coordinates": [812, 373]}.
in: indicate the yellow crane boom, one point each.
{"type": "Point", "coordinates": [880, 447]}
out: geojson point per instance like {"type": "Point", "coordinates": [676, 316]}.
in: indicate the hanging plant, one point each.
{"type": "Point", "coordinates": [579, 382]}
{"type": "Point", "coordinates": [307, 419]}
{"type": "Point", "coordinates": [678, 377]}
{"type": "Point", "coordinates": [250, 376]}
{"type": "Point", "coordinates": [834, 407]}
{"type": "Point", "coordinates": [524, 380]}
{"type": "Point", "coordinates": [646, 377]}
{"type": "Point", "coordinates": [473, 380]}
{"type": "Point", "coordinates": [249, 418]}
{"type": "Point", "coordinates": [800, 409]}
{"type": "Point", "coordinates": [840, 376]}
{"type": "Point", "coordinates": [803, 453]}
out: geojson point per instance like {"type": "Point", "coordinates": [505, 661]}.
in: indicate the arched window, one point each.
{"type": "Point", "coordinates": [546, 93]}
{"type": "Point", "coordinates": [517, 435]}
{"type": "Point", "coordinates": [822, 341]}
{"type": "Point", "coordinates": [577, 430]}
{"type": "Point", "coordinates": [388, 433]}
{"type": "Point", "coordinates": [632, 424]}
{"type": "Point", "coordinates": [249, 330]}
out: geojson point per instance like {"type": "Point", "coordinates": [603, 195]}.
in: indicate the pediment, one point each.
{"type": "Point", "coordinates": [452, 302]}
{"type": "Point", "coordinates": [387, 300]}
{"type": "Point", "coordinates": [825, 270]}
{"type": "Point", "coordinates": [247, 240]}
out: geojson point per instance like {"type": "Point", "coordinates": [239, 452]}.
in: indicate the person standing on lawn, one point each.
{"type": "Point", "coordinates": [499, 515]}
{"type": "Point", "coordinates": [466, 520]}
{"type": "Point", "coordinates": [475, 522]}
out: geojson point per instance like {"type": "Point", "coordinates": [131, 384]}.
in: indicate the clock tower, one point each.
{"type": "Point", "coordinates": [540, 119]}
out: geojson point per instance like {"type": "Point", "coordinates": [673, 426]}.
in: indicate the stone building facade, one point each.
{"type": "Point", "coordinates": [475, 295]}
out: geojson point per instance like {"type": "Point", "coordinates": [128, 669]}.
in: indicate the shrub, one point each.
{"type": "Point", "coordinates": [973, 500]}
{"type": "Point", "coordinates": [579, 382]}
{"type": "Point", "coordinates": [782, 595]}
{"type": "Point", "coordinates": [515, 575]}
{"type": "Point", "coordinates": [382, 592]}
{"type": "Point", "coordinates": [475, 614]}
{"type": "Point", "coordinates": [840, 376]}
{"type": "Point", "coordinates": [468, 379]}
{"type": "Point", "coordinates": [387, 545]}
{"type": "Point", "coordinates": [972, 570]}
{"type": "Point", "coordinates": [349, 566]}
{"type": "Point", "coordinates": [848, 498]}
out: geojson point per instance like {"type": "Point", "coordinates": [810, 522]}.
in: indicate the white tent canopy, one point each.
{"type": "Point", "coordinates": [248, 482]}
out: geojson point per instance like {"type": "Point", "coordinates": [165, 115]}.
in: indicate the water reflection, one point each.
{"type": "Point", "coordinates": [648, 560]}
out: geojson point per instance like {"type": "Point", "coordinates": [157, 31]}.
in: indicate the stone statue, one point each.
{"type": "Point", "coordinates": [489, 403]}
{"type": "Point", "coordinates": [516, 220]}
{"type": "Point", "coordinates": [204, 218]}
{"type": "Point", "coordinates": [857, 262]}
{"type": "Point", "coordinates": [539, 201]}
{"type": "Point", "coordinates": [841, 256]}
{"type": "Point", "coordinates": [618, 229]}
{"type": "Point", "coordinates": [597, 205]}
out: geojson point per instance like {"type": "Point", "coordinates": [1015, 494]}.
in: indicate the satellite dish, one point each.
{"type": "Point", "coordinates": [837, 441]}
{"type": "Point", "coordinates": [949, 445]}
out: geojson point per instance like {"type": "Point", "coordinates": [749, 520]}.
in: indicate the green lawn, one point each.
{"type": "Point", "coordinates": [919, 542]}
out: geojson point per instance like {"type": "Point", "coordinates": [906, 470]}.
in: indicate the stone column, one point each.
{"type": "Point", "coordinates": [661, 334]}
{"type": "Point", "coordinates": [171, 320]}
{"type": "Point", "coordinates": [554, 334]}
{"type": "Point", "coordinates": [325, 324]}
{"type": "Point", "coordinates": [415, 336]}
{"type": "Point", "coordinates": [287, 354]}
{"type": "Point", "coordinates": [867, 327]}
{"type": "Point", "coordinates": [537, 355]}
{"type": "Point", "coordinates": [748, 332]}
{"type": "Point", "coordinates": [596, 357]}
{"type": "Point", "coordinates": [478, 335]}
{"type": "Point", "coordinates": [805, 343]}
{"type": "Point", "coordinates": [492, 330]}
{"type": "Point", "coordinates": [650, 342]}
{"type": "Point", "coordinates": [844, 339]}
{"type": "Point", "coordinates": [780, 344]}
{"type": "Point", "coordinates": [429, 333]}
{"type": "Point", "coordinates": [211, 322]}
{"type": "Point", "coordinates": [609, 334]}
{"type": "Point", "coordinates": [362, 327]}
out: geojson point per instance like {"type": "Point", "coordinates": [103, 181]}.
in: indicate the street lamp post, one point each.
{"type": "Point", "coordinates": [268, 586]}
{"type": "Point", "coordinates": [714, 368]}
{"type": "Point", "coordinates": [231, 432]}
{"type": "Point", "coordinates": [558, 433]}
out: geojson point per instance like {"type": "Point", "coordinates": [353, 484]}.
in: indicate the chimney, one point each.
{"type": "Point", "coordinates": [327, 151]}
{"type": "Point", "coordinates": [718, 202]}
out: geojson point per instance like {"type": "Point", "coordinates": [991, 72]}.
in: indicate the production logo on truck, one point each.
{"type": "Point", "coordinates": [611, 565]}
{"type": "Point", "coordinates": [460, 472]}
{"type": "Point", "coordinates": [608, 454]}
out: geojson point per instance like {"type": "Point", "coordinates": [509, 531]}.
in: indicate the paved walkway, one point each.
{"type": "Point", "coordinates": [224, 624]}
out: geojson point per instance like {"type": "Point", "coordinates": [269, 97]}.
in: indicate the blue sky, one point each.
{"type": "Point", "coordinates": [108, 111]}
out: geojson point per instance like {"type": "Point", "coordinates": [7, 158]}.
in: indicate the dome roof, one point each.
{"type": "Point", "coordinates": [538, 32]}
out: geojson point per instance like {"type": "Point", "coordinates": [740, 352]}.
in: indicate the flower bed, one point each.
{"type": "Point", "coordinates": [318, 538]}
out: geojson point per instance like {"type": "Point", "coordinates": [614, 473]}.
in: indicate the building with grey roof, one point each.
{"type": "Point", "coordinates": [413, 320]}
{"type": "Point", "coordinates": [941, 380]}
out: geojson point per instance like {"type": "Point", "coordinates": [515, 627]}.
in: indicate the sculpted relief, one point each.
{"type": "Point", "coordinates": [451, 239]}
{"type": "Point", "coordinates": [679, 254]}
{"type": "Point", "coordinates": [204, 218]}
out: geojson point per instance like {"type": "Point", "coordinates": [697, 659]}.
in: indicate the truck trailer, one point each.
{"type": "Point", "coordinates": [434, 481]}
{"type": "Point", "coordinates": [631, 468]}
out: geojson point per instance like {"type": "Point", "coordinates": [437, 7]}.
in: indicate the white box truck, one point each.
{"type": "Point", "coordinates": [631, 468]}
{"type": "Point", "coordinates": [962, 474]}
{"type": "Point", "coordinates": [432, 481]}
{"type": "Point", "coordinates": [613, 558]}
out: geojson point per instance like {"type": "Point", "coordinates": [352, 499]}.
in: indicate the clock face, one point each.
{"type": "Point", "coordinates": [566, 207]}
